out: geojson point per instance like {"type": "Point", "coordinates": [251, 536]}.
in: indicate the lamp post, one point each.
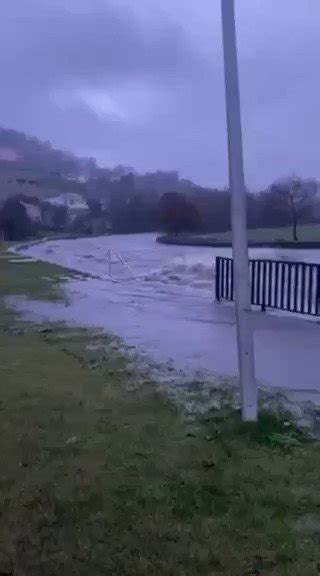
{"type": "Point", "coordinates": [239, 216]}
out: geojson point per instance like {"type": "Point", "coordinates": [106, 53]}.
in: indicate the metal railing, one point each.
{"type": "Point", "coordinates": [289, 286]}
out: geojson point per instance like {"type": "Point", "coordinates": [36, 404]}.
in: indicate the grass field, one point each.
{"type": "Point", "coordinates": [306, 233]}
{"type": "Point", "coordinates": [37, 279]}
{"type": "Point", "coordinates": [100, 473]}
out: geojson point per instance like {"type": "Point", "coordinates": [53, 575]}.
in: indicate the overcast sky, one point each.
{"type": "Point", "coordinates": [140, 82]}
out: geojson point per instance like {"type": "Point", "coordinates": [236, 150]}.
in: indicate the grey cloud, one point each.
{"type": "Point", "coordinates": [45, 47]}
{"type": "Point", "coordinates": [170, 51]}
{"type": "Point", "coordinates": [58, 45]}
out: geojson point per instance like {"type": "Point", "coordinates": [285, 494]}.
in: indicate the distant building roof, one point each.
{"type": "Point", "coordinates": [71, 200]}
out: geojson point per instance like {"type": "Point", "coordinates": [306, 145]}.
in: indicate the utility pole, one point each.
{"type": "Point", "coordinates": [239, 217]}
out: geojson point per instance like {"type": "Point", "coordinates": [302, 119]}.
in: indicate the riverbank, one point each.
{"type": "Point", "coordinates": [101, 472]}
{"type": "Point", "coordinates": [214, 242]}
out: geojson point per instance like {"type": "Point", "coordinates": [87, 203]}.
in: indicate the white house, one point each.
{"type": "Point", "coordinates": [73, 202]}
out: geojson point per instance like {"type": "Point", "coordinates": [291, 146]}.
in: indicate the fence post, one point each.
{"type": "Point", "coordinates": [218, 278]}
{"type": "Point", "coordinates": [263, 268]}
{"type": "Point", "coordinates": [318, 291]}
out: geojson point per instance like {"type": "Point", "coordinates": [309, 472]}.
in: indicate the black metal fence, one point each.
{"type": "Point", "coordinates": [289, 286]}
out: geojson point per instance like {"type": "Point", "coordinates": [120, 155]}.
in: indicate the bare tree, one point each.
{"type": "Point", "coordinates": [294, 199]}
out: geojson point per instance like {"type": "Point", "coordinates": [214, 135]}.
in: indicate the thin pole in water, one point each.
{"type": "Point", "coordinates": [239, 216]}
{"type": "Point", "coordinates": [109, 260]}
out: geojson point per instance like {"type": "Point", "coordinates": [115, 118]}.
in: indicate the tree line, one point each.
{"type": "Point", "coordinates": [135, 202]}
{"type": "Point", "coordinates": [289, 201]}
{"type": "Point", "coordinates": [24, 217]}
{"type": "Point", "coordinates": [123, 207]}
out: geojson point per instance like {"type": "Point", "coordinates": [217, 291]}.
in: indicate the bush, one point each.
{"type": "Point", "coordinates": [178, 214]}
{"type": "Point", "coordinates": [14, 221]}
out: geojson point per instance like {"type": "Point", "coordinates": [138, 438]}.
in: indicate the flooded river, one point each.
{"type": "Point", "coordinates": [160, 299]}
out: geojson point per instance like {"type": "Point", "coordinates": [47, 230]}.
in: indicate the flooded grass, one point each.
{"type": "Point", "coordinates": [37, 279]}
{"type": "Point", "coordinates": [100, 473]}
{"type": "Point", "coordinates": [306, 233]}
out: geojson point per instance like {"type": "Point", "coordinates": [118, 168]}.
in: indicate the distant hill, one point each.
{"type": "Point", "coordinates": [30, 153]}
{"type": "Point", "coordinates": [32, 167]}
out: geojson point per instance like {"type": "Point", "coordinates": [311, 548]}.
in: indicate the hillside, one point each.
{"type": "Point", "coordinates": [32, 167]}
{"type": "Point", "coordinates": [29, 153]}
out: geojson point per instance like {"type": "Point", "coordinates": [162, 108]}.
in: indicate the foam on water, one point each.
{"type": "Point", "coordinates": [138, 259]}
{"type": "Point", "coordinates": [189, 271]}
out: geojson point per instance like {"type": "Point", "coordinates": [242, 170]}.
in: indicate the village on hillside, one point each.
{"type": "Point", "coordinates": [47, 191]}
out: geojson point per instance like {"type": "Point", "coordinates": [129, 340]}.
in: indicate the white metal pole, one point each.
{"type": "Point", "coordinates": [239, 216]}
{"type": "Point", "coordinates": [109, 262]}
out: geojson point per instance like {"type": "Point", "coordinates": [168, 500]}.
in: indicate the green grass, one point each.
{"type": "Point", "coordinates": [100, 473]}
{"type": "Point", "coordinates": [306, 233]}
{"type": "Point", "coordinates": [37, 279]}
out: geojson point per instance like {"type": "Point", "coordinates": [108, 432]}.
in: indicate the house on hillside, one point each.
{"type": "Point", "coordinates": [75, 204]}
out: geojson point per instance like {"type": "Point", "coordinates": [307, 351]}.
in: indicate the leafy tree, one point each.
{"type": "Point", "coordinates": [14, 220]}
{"type": "Point", "coordinates": [121, 192]}
{"type": "Point", "coordinates": [91, 225]}
{"type": "Point", "coordinates": [54, 217]}
{"type": "Point", "coordinates": [94, 207]}
{"type": "Point", "coordinates": [140, 213]}
{"type": "Point", "coordinates": [214, 208]}
{"type": "Point", "coordinates": [177, 214]}
{"type": "Point", "coordinates": [59, 217]}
